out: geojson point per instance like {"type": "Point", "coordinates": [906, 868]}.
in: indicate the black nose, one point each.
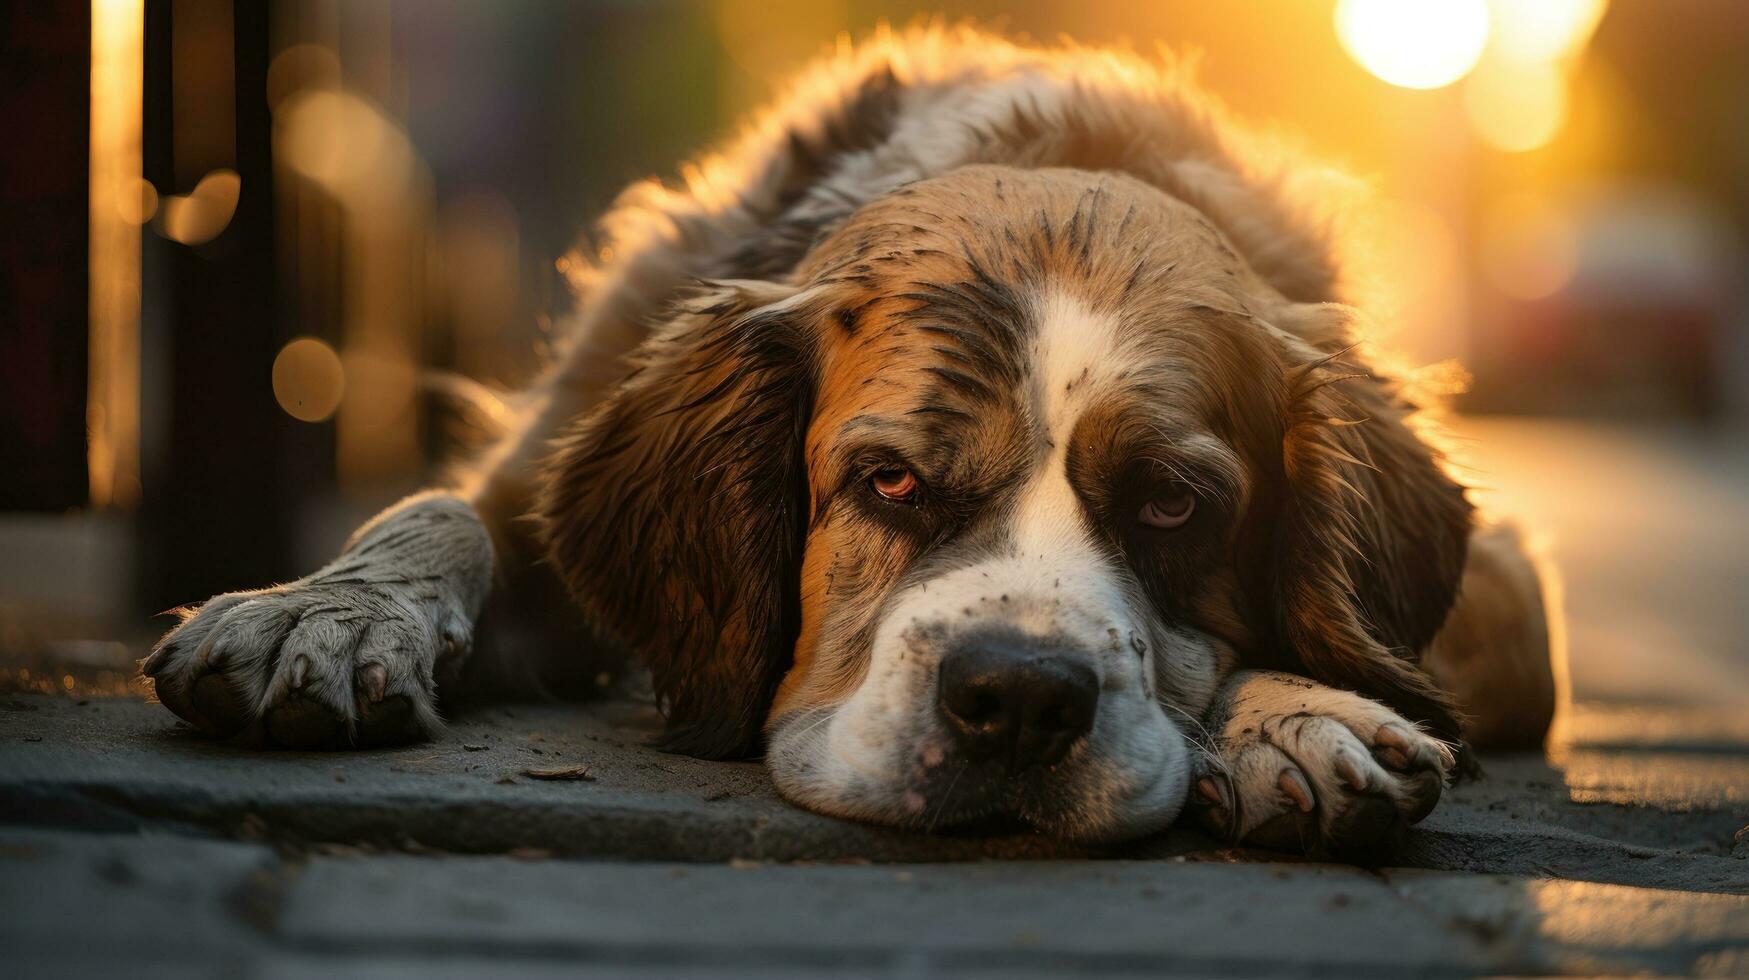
{"type": "Point", "coordinates": [1006, 700]}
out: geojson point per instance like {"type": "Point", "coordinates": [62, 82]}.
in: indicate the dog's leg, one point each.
{"type": "Point", "coordinates": [348, 655]}
{"type": "Point", "coordinates": [1312, 769]}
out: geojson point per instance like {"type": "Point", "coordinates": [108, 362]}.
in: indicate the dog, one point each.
{"type": "Point", "coordinates": [982, 436]}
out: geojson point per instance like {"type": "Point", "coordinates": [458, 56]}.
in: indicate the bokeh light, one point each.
{"type": "Point", "coordinates": [334, 138]}
{"type": "Point", "coordinates": [137, 206]}
{"type": "Point", "coordinates": [1516, 107]}
{"type": "Point", "coordinates": [1543, 30]}
{"type": "Point", "coordinates": [308, 379]}
{"type": "Point", "coordinates": [200, 215]}
{"type": "Point", "coordinates": [1414, 43]}
{"type": "Point", "coordinates": [301, 67]}
{"type": "Point", "coordinates": [353, 154]}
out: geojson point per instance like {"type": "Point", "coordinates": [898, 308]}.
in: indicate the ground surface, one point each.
{"type": "Point", "coordinates": [130, 847]}
{"type": "Point", "coordinates": [1623, 855]}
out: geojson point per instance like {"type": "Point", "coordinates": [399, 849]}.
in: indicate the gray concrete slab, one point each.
{"type": "Point", "coordinates": [1622, 804]}
{"type": "Point", "coordinates": [79, 904]}
{"type": "Point", "coordinates": [129, 845]}
{"type": "Point", "coordinates": [119, 764]}
{"type": "Point", "coordinates": [144, 905]}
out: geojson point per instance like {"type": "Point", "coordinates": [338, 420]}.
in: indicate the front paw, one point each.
{"type": "Point", "coordinates": [314, 664]}
{"type": "Point", "coordinates": [1320, 771]}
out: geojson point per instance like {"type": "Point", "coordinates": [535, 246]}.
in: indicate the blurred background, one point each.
{"type": "Point", "coordinates": [238, 234]}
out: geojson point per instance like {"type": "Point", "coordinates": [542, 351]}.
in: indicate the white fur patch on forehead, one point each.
{"type": "Point", "coordinates": [1074, 352]}
{"type": "Point", "coordinates": [1074, 355]}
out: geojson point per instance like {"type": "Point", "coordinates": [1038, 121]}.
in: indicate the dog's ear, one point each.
{"type": "Point", "coordinates": [676, 510]}
{"type": "Point", "coordinates": [1372, 534]}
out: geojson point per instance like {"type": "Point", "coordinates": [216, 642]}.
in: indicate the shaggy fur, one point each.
{"type": "Point", "coordinates": [853, 131]}
{"type": "Point", "coordinates": [1050, 284]}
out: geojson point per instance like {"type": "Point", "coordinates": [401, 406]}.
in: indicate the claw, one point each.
{"type": "Point", "coordinates": [1391, 759]}
{"type": "Point", "coordinates": [1394, 750]}
{"type": "Point", "coordinates": [1219, 811]}
{"type": "Point", "coordinates": [376, 682]}
{"type": "Point", "coordinates": [300, 669]}
{"type": "Point", "coordinates": [1351, 773]}
{"type": "Point", "coordinates": [1293, 783]}
{"type": "Point", "coordinates": [1211, 790]}
{"type": "Point", "coordinates": [1391, 736]}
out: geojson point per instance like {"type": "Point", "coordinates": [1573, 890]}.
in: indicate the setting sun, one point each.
{"type": "Point", "coordinates": [1414, 43]}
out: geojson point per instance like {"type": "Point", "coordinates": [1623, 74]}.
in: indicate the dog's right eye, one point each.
{"type": "Point", "coordinates": [895, 483]}
{"type": "Point", "coordinates": [1168, 510]}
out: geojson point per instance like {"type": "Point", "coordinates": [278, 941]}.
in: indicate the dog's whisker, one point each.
{"type": "Point", "coordinates": [941, 807]}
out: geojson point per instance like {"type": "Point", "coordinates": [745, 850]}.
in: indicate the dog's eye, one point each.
{"type": "Point", "coordinates": [894, 483]}
{"type": "Point", "coordinates": [1169, 509]}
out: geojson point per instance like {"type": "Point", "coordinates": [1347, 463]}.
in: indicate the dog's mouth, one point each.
{"type": "Point", "coordinates": [990, 825]}
{"type": "Point", "coordinates": [1084, 798]}
{"type": "Point", "coordinates": [1078, 799]}
{"type": "Point", "coordinates": [967, 798]}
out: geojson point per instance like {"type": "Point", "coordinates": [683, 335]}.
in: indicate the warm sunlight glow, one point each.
{"type": "Point", "coordinates": [1414, 43]}
{"type": "Point", "coordinates": [1516, 107]}
{"type": "Point", "coordinates": [308, 380]}
{"type": "Point", "coordinates": [1543, 30]}
{"type": "Point", "coordinates": [1413, 281]}
{"type": "Point", "coordinates": [1529, 247]}
{"type": "Point", "coordinates": [116, 198]}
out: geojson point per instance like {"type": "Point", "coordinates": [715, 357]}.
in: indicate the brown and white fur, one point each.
{"type": "Point", "coordinates": [1045, 290]}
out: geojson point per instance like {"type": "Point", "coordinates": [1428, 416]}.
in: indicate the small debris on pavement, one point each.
{"type": "Point", "coordinates": [473, 748]}
{"type": "Point", "coordinates": [567, 773]}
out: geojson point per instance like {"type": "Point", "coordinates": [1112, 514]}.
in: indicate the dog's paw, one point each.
{"type": "Point", "coordinates": [314, 664]}
{"type": "Point", "coordinates": [1319, 771]}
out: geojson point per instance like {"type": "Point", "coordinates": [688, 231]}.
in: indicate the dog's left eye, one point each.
{"type": "Point", "coordinates": [1168, 510]}
{"type": "Point", "coordinates": [895, 483]}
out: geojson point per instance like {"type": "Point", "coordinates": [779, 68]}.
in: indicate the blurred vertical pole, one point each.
{"type": "Point", "coordinates": [216, 507]}
{"type": "Point", "coordinates": [45, 61]}
{"type": "Point", "coordinates": [113, 399]}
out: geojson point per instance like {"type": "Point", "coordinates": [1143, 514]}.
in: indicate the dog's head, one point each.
{"type": "Point", "coordinates": [970, 516]}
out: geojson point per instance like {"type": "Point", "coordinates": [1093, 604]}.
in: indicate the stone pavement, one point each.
{"type": "Point", "coordinates": [198, 859]}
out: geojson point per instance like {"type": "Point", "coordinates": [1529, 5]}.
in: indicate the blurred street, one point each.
{"type": "Point", "coordinates": [1649, 528]}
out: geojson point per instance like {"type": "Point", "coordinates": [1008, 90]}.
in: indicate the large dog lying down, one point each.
{"type": "Point", "coordinates": [981, 438]}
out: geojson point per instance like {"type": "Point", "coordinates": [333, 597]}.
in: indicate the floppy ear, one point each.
{"type": "Point", "coordinates": [1373, 534]}
{"type": "Point", "coordinates": [675, 512]}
